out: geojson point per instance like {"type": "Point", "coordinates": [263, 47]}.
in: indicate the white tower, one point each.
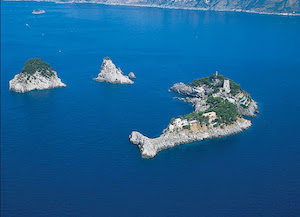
{"type": "Point", "coordinates": [226, 86]}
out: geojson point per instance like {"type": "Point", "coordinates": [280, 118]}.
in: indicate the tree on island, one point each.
{"type": "Point", "coordinates": [37, 64]}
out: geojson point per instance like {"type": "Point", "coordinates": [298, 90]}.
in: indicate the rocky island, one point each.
{"type": "Point", "coordinates": [36, 75]}
{"type": "Point", "coordinates": [219, 106]}
{"type": "Point", "coordinates": [111, 74]}
{"type": "Point", "coordinates": [131, 75]}
{"type": "Point", "coordinates": [38, 11]}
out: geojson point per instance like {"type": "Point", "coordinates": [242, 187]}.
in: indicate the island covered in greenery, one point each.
{"type": "Point", "coordinates": [218, 94]}
{"type": "Point", "coordinates": [227, 112]}
{"type": "Point", "coordinates": [210, 94]}
{"type": "Point", "coordinates": [35, 75]}
{"type": "Point", "coordinates": [216, 81]}
{"type": "Point", "coordinates": [219, 106]}
{"type": "Point", "coordinates": [37, 64]}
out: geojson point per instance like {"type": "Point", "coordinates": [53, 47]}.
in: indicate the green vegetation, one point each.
{"type": "Point", "coordinates": [226, 111]}
{"type": "Point", "coordinates": [37, 64]}
{"type": "Point", "coordinates": [187, 127]}
{"type": "Point", "coordinates": [195, 116]}
{"type": "Point", "coordinates": [209, 81]}
{"type": "Point", "coordinates": [172, 120]}
{"type": "Point", "coordinates": [106, 58]}
{"type": "Point", "coordinates": [202, 81]}
{"type": "Point", "coordinates": [214, 101]}
{"type": "Point", "coordinates": [244, 106]}
{"type": "Point", "coordinates": [234, 87]}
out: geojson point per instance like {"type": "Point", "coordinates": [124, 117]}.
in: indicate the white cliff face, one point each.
{"type": "Point", "coordinates": [176, 134]}
{"type": "Point", "coordinates": [110, 73]}
{"type": "Point", "coordinates": [24, 82]}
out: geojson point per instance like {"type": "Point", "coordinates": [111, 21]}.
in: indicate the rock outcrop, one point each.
{"type": "Point", "coordinates": [219, 105]}
{"type": "Point", "coordinates": [131, 75]}
{"type": "Point", "coordinates": [183, 89]}
{"type": "Point", "coordinates": [37, 11]}
{"type": "Point", "coordinates": [36, 75]}
{"type": "Point", "coordinates": [111, 74]}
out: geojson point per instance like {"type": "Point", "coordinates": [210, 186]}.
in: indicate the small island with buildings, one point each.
{"type": "Point", "coordinates": [219, 106]}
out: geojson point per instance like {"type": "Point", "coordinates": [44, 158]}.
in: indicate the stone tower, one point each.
{"type": "Point", "coordinates": [226, 86]}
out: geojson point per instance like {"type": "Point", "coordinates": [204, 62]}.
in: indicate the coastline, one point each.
{"type": "Point", "coordinates": [149, 147]}
{"type": "Point", "coordinates": [22, 83]}
{"type": "Point", "coordinates": [164, 7]}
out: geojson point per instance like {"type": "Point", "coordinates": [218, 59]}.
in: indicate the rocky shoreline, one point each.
{"type": "Point", "coordinates": [150, 147]}
{"type": "Point", "coordinates": [185, 8]}
{"type": "Point", "coordinates": [22, 83]}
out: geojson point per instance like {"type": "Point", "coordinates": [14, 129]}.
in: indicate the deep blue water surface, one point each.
{"type": "Point", "coordinates": [65, 152]}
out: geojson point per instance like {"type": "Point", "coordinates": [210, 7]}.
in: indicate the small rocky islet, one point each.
{"type": "Point", "coordinates": [111, 74]}
{"type": "Point", "coordinates": [131, 75]}
{"type": "Point", "coordinates": [38, 11]}
{"type": "Point", "coordinates": [219, 106]}
{"type": "Point", "coordinates": [36, 75]}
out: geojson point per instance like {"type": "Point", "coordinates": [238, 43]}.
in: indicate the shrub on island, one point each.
{"type": "Point", "coordinates": [226, 111]}
{"type": "Point", "coordinates": [37, 64]}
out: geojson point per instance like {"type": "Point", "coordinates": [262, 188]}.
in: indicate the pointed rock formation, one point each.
{"type": "Point", "coordinates": [111, 74]}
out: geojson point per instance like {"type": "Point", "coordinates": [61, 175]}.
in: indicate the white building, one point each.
{"type": "Point", "coordinates": [226, 86]}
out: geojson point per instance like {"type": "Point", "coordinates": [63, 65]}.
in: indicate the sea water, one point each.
{"type": "Point", "coordinates": [66, 152]}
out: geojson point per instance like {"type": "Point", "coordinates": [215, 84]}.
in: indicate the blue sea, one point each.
{"type": "Point", "coordinates": [66, 152]}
